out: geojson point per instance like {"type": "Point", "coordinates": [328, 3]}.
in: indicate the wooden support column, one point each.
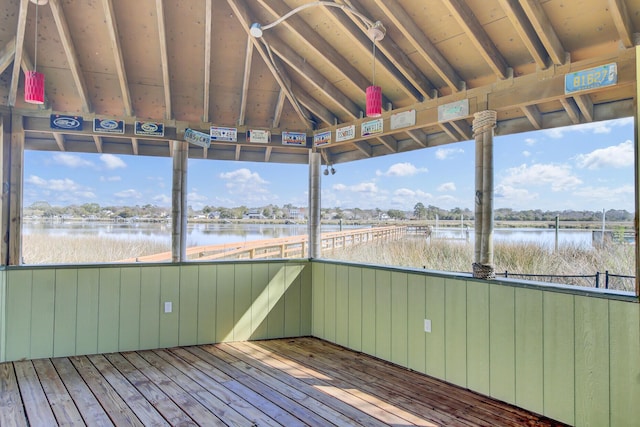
{"type": "Point", "coordinates": [5, 169]}
{"type": "Point", "coordinates": [636, 122]}
{"type": "Point", "coordinates": [484, 123]}
{"type": "Point", "coordinates": [315, 242]}
{"type": "Point", "coordinates": [179, 202]}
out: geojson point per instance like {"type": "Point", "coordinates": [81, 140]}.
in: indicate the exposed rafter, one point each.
{"type": "Point", "coordinates": [70, 52]}
{"type": "Point", "coordinates": [419, 136]}
{"type": "Point", "coordinates": [162, 37]}
{"type": "Point", "coordinates": [393, 60]}
{"type": "Point", "coordinates": [622, 20]}
{"type": "Point", "coordinates": [238, 150]}
{"type": "Point", "coordinates": [134, 146]}
{"type": "Point", "coordinates": [15, 76]}
{"type": "Point", "coordinates": [277, 111]}
{"type": "Point", "coordinates": [59, 140]}
{"type": "Point", "coordinates": [532, 113]}
{"type": "Point", "coordinates": [572, 109]}
{"type": "Point", "coordinates": [207, 60]}
{"type": "Point", "coordinates": [313, 76]}
{"type": "Point", "coordinates": [525, 30]}
{"type": "Point", "coordinates": [267, 153]}
{"type": "Point", "coordinates": [586, 106]}
{"type": "Point", "coordinates": [98, 141]}
{"type": "Point", "coordinates": [478, 36]}
{"type": "Point", "coordinates": [318, 45]}
{"type": "Point", "coordinates": [544, 29]}
{"type": "Point", "coordinates": [114, 38]}
{"type": "Point", "coordinates": [7, 54]}
{"type": "Point", "coordinates": [246, 76]}
{"type": "Point", "coordinates": [281, 78]}
{"type": "Point", "coordinates": [421, 43]}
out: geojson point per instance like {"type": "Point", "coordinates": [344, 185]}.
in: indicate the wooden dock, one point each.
{"type": "Point", "coordinates": [282, 247]}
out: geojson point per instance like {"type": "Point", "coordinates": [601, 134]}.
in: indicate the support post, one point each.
{"type": "Point", "coordinates": [5, 170]}
{"type": "Point", "coordinates": [314, 205]}
{"type": "Point", "coordinates": [636, 122]}
{"type": "Point", "coordinates": [16, 160]}
{"type": "Point", "coordinates": [483, 125]}
{"type": "Point", "coordinates": [179, 202]}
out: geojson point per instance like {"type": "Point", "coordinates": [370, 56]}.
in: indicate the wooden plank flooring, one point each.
{"type": "Point", "coordinates": [289, 382]}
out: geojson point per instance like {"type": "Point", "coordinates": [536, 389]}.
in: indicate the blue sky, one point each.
{"type": "Point", "coordinates": [586, 167]}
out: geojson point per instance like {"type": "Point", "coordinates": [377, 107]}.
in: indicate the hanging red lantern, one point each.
{"type": "Point", "coordinates": [374, 101]}
{"type": "Point", "coordinates": [34, 87]}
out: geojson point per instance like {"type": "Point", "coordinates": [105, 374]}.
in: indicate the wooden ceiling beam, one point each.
{"type": "Point", "coordinates": [164, 59]}
{"type": "Point", "coordinates": [59, 140]}
{"type": "Point", "coordinates": [421, 43]}
{"type": "Point", "coordinates": [449, 130]}
{"type": "Point", "coordinates": [405, 73]}
{"type": "Point", "coordinates": [525, 30]}
{"type": "Point", "coordinates": [277, 111]}
{"type": "Point", "coordinates": [134, 146]}
{"type": "Point", "coordinates": [7, 53]}
{"type": "Point", "coordinates": [242, 14]}
{"type": "Point", "coordinates": [70, 52]}
{"type": "Point", "coordinates": [267, 154]}
{"type": "Point", "coordinates": [314, 106]}
{"type": "Point", "coordinates": [572, 109]}
{"type": "Point", "coordinates": [478, 36]}
{"type": "Point", "coordinates": [208, 26]}
{"type": "Point", "coordinates": [246, 76]}
{"type": "Point", "coordinates": [114, 39]}
{"type": "Point", "coordinates": [622, 21]}
{"type": "Point", "coordinates": [316, 44]}
{"type": "Point", "coordinates": [586, 106]}
{"type": "Point", "coordinates": [238, 150]}
{"type": "Point", "coordinates": [419, 136]}
{"type": "Point", "coordinates": [533, 114]}
{"type": "Point", "coordinates": [544, 29]}
{"type": "Point", "coordinates": [98, 141]}
{"type": "Point", "coordinates": [313, 76]}
{"type": "Point", "coordinates": [463, 128]}
{"type": "Point", "coordinates": [15, 74]}
{"type": "Point", "coordinates": [364, 148]}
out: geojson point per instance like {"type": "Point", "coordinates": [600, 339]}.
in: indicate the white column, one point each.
{"type": "Point", "coordinates": [315, 249]}
{"type": "Point", "coordinates": [179, 202]}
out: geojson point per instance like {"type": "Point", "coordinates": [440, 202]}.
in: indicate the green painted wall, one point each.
{"type": "Point", "coordinates": [53, 312]}
{"type": "Point", "coordinates": [570, 356]}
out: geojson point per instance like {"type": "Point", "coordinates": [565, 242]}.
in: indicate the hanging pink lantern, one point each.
{"type": "Point", "coordinates": [34, 87]}
{"type": "Point", "coordinates": [374, 101]}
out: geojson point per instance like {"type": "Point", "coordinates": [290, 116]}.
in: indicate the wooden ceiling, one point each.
{"type": "Point", "coordinates": [193, 64]}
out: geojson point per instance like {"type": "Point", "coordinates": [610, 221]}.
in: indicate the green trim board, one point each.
{"type": "Point", "coordinates": [65, 311]}
{"type": "Point", "coordinates": [571, 357]}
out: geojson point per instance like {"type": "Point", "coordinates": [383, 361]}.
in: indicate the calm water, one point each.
{"type": "Point", "coordinates": [212, 234]}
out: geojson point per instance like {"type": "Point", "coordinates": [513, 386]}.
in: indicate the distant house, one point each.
{"type": "Point", "coordinates": [297, 214]}
{"type": "Point", "coordinates": [254, 214]}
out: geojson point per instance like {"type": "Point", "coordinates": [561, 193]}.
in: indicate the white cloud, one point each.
{"type": "Point", "coordinates": [162, 199]}
{"type": "Point", "coordinates": [447, 186]}
{"type": "Point", "coordinates": [591, 128]}
{"type": "Point", "coordinates": [401, 169]}
{"type": "Point", "coordinates": [72, 161]}
{"type": "Point", "coordinates": [242, 180]}
{"type": "Point", "coordinates": [128, 194]}
{"type": "Point", "coordinates": [606, 194]}
{"type": "Point", "coordinates": [112, 162]}
{"type": "Point", "coordinates": [530, 141]}
{"type": "Point", "coordinates": [447, 153]}
{"type": "Point", "coordinates": [195, 197]}
{"type": "Point", "coordinates": [36, 180]}
{"type": "Point", "coordinates": [615, 156]}
{"type": "Point", "coordinates": [526, 153]}
{"type": "Point", "coordinates": [559, 177]}
{"type": "Point", "coordinates": [114, 178]}
{"type": "Point", "coordinates": [515, 196]}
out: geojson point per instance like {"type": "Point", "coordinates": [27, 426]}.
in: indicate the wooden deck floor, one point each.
{"type": "Point", "coordinates": [290, 382]}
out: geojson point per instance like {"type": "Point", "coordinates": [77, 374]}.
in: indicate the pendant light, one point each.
{"type": "Point", "coordinates": [374, 93]}
{"type": "Point", "coordinates": [33, 80]}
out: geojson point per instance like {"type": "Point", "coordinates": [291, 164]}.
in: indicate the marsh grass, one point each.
{"type": "Point", "coordinates": [47, 249]}
{"type": "Point", "coordinates": [522, 258]}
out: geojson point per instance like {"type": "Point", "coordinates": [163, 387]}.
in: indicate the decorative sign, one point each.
{"type": "Point", "coordinates": [108, 126]}
{"type": "Point", "coordinates": [345, 133]}
{"type": "Point", "coordinates": [149, 128]}
{"type": "Point", "coordinates": [258, 135]}
{"type": "Point", "coordinates": [371, 128]}
{"type": "Point", "coordinates": [58, 121]}
{"type": "Point", "coordinates": [604, 75]}
{"type": "Point", "coordinates": [200, 139]}
{"type": "Point", "coordinates": [404, 119]}
{"type": "Point", "coordinates": [322, 138]}
{"type": "Point", "coordinates": [453, 110]}
{"type": "Point", "coordinates": [294, 138]}
{"type": "Point", "coordinates": [224, 134]}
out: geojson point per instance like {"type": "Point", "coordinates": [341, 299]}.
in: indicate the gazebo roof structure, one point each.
{"type": "Point", "coordinates": [193, 64]}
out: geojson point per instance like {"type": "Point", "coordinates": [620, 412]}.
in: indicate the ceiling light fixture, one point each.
{"type": "Point", "coordinates": [375, 31]}
{"type": "Point", "coordinates": [33, 80]}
